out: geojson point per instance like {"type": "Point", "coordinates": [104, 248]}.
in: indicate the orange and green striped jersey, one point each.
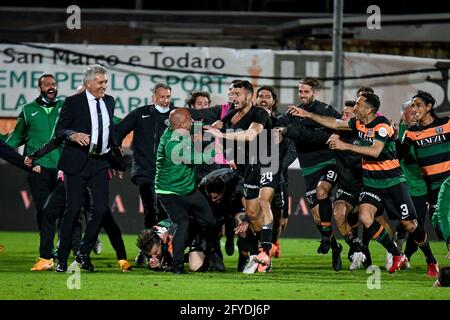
{"type": "Point", "coordinates": [414, 179]}
{"type": "Point", "coordinates": [384, 171]}
{"type": "Point", "coordinates": [432, 147]}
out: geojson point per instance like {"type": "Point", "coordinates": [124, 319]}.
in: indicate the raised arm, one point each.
{"type": "Point", "coordinates": [373, 150]}
{"type": "Point", "coordinates": [329, 122]}
{"type": "Point", "coordinates": [51, 145]}
{"type": "Point", "coordinates": [185, 152]}
{"type": "Point", "coordinates": [246, 135]}
{"type": "Point", "coordinates": [302, 134]}
{"type": "Point", "coordinates": [124, 127]}
{"type": "Point", "coordinates": [207, 116]}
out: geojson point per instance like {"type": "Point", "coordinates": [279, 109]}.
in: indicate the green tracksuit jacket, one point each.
{"type": "Point", "coordinates": [35, 126]}
{"type": "Point", "coordinates": [175, 161]}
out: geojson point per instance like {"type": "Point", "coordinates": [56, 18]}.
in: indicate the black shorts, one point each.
{"type": "Point", "coordinates": [327, 173]}
{"type": "Point", "coordinates": [353, 187]}
{"type": "Point", "coordinates": [396, 200]}
{"type": "Point", "coordinates": [252, 176]}
{"type": "Point", "coordinates": [269, 179]}
{"type": "Point", "coordinates": [347, 196]}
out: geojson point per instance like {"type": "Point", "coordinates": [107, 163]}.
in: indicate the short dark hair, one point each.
{"type": "Point", "coordinates": [191, 101]}
{"type": "Point", "coordinates": [349, 103]}
{"type": "Point", "coordinates": [147, 239]}
{"type": "Point", "coordinates": [268, 88]}
{"type": "Point", "coordinates": [244, 84]}
{"type": "Point", "coordinates": [214, 184]}
{"type": "Point", "coordinates": [426, 97]}
{"type": "Point", "coordinates": [45, 75]}
{"type": "Point", "coordinates": [161, 85]}
{"type": "Point", "coordinates": [372, 99]}
{"type": "Point", "coordinates": [444, 276]}
{"type": "Point", "coordinates": [272, 92]}
{"type": "Point", "coordinates": [364, 89]}
{"type": "Point", "coordinates": [312, 82]}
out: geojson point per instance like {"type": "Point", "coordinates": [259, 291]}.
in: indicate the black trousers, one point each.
{"type": "Point", "coordinates": [94, 178]}
{"type": "Point", "coordinates": [153, 212]}
{"type": "Point", "coordinates": [41, 185]}
{"type": "Point", "coordinates": [178, 208]}
{"type": "Point", "coordinates": [115, 235]}
{"type": "Point", "coordinates": [54, 210]}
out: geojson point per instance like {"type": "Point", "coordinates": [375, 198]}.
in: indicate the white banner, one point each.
{"type": "Point", "coordinates": [134, 70]}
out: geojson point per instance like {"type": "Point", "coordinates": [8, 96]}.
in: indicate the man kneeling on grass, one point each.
{"type": "Point", "coordinates": [156, 245]}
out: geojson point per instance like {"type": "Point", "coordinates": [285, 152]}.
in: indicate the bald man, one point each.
{"type": "Point", "coordinates": [177, 191]}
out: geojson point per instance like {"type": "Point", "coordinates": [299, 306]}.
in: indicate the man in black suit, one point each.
{"type": "Point", "coordinates": [86, 126]}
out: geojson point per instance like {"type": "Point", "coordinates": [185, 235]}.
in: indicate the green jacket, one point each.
{"type": "Point", "coordinates": [175, 161]}
{"type": "Point", "coordinates": [35, 126]}
{"type": "Point", "coordinates": [416, 184]}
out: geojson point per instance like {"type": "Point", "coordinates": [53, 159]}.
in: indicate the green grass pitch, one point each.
{"type": "Point", "coordinates": [299, 274]}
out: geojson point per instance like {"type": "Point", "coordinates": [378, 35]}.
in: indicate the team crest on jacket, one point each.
{"type": "Point", "coordinates": [439, 130]}
{"type": "Point", "coordinates": [167, 122]}
{"type": "Point", "coordinates": [382, 132]}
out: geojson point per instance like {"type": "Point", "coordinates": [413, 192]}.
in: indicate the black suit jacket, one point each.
{"type": "Point", "coordinates": [75, 117]}
{"type": "Point", "coordinates": [10, 155]}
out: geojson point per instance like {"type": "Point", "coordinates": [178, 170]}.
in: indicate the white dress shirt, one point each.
{"type": "Point", "coordinates": [94, 123]}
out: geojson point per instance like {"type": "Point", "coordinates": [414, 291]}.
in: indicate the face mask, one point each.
{"type": "Point", "coordinates": [162, 109]}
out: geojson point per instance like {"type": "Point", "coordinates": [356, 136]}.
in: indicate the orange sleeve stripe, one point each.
{"type": "Point", "coordinates": [377, 234]}
{"type": "Point", "coordinates": [360, 127]}
{"type": "Point", "coordinates": [365, 130]}
{"type": "Point", "coordinates": [380, 165]}
{"type": "Point", "coordinates": [427, 133]}
{"type": "Point", "coordinates": [436, 168]}
{"type": "Point", "coordinates": [389, 129]}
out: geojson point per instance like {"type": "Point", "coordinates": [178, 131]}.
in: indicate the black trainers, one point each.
{"type": "Point", "coordinates": [242, 261]}
{"type": "Point", "coordinates": [350, 254]}
{"type": "Point", "coordinates": [229, 246]}
{"type": "Point", "coordinates": [355, 246]}
{"type": "Point", "coordinates": [368, 262]}
{"type": "Point", "coordinates": [85, 261]}
{"type": "Point", "coordinates": [215, 263]}
{"type": "Point", "coordinates": [325, 245]}
{"type": "Point", "coordinates": [336, 258]}
{"type": "Point", "coordinates": [61, 267]}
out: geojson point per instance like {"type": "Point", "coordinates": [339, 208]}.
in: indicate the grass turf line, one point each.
{"type": "Point", "coordinates": [299, 274]}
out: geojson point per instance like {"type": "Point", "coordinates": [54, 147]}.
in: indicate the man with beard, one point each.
{"type": "Point", "coordinates": [248, 123]}
{"type": "Point", "coordinates": [318, 165]}
{"type": "Point", "coordinates": [274, 192]}
{"type": "Point", "coordinates": [384, 185]}
{"type": "Point", "coordinates": [35, 125]}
